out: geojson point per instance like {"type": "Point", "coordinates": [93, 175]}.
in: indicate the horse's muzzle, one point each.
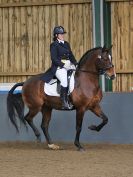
{"type": "Point", "coordinates": [113, 77]}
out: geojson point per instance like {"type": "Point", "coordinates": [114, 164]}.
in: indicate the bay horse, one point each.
{"type": "Point", "coordinates": [86, 95]}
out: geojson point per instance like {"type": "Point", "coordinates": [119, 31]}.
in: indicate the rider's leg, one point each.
{"type": "Point", "coordinates": [61, 74]}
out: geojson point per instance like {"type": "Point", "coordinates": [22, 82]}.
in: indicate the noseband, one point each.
{"type": "Point", "coordinates": [103, 70]}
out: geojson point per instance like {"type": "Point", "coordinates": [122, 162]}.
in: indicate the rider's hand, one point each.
{"type": "Point", "coordinates": [67, 65]}
{"type": "Point", "coordinates": [73, 67]}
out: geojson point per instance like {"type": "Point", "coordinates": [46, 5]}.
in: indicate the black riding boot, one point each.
{"type": "Point", "coordinates": [64, 99]}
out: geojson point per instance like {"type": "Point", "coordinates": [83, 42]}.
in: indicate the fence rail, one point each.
{"type": "Point", "coordinates": [26, 33]}
{"type": "Point", "coordinates": [42, 3]}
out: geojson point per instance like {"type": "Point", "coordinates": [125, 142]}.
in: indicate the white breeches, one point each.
{"type": "Point", "coordinates": [61, 74]}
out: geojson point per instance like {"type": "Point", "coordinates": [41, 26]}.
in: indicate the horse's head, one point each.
{"type": "Point", "coordinates": [97, 61]}
{"type": "Point", "coordinates": [104, 63]}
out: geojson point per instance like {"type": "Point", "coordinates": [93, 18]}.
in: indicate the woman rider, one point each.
{"type": "Point", "coordinates": [62, 60]}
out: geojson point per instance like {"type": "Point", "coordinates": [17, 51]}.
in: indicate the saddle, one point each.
{"type": "Point", "coordinates": [53, 88]}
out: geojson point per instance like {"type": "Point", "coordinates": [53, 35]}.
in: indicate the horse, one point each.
{"type": "Point", "coordinates": [86, 95]}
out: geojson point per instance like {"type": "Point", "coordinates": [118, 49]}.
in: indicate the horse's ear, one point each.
{"type": "Point", "coordinates": [109, 49]}
{"type": "Point", "coordinates": [104, 48]}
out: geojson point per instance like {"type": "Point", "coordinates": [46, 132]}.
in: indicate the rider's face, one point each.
{"type": "Point", "coordinates": [61, 37]}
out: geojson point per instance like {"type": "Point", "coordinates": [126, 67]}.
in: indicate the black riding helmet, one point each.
{"type": "Point", "coordinates": [58, 30]}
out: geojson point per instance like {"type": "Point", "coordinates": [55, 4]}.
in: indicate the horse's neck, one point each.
{"type": "Point", "coordinates": [90, 63]}
{"type": "Point", "coordinates": [92, 76]}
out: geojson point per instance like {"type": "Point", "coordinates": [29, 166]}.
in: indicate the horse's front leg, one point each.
{"type": "Point", "coordinates": [79, 120]}
{"type": "Point", "coordinates": [97, 110]}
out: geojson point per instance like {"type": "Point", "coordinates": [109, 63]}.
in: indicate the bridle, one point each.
{"type": "Point", "coordinates": [99, 72]}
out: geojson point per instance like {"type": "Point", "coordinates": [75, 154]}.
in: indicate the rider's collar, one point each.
{"type": "Point", "coordinates": [60, 41]}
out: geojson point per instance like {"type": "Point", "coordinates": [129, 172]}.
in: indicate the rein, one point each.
{"type": "Point", "coordinates": [90, 72]}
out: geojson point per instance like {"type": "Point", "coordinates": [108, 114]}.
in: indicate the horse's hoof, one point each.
{"type": "Point", "coordinates": [38, 140]}
{"type": "Point", "coordinates": [93, 127]}
{"type": "Point", "coordinates": [81, 149]}
{"type": "Point", "coordinates": [53, 147]}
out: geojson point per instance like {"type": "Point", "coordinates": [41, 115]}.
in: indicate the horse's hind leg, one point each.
{"type": "Point", "coordinates": [29, 118]}
{"type": "Point", "coordinates": [97, 110]}
{"type": "Point", "coordinates": [46, 117]}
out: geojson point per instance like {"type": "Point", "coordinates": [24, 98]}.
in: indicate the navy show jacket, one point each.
{"type": "Point", "coordinates": [58, 51]}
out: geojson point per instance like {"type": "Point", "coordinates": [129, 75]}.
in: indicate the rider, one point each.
{"type": "Point", "coordinates": [62, 60]}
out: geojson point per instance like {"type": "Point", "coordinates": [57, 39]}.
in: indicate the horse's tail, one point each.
{"type": "Point", "coordinates": [15, 106]}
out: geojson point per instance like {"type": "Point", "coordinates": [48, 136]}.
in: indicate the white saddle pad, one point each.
{"type": "Point", "coordinates": [51, 87]}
